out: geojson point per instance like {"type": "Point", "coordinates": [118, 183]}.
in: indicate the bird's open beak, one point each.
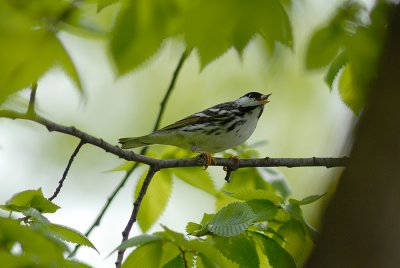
{"type": "Point", "coordinates": [264, 98]}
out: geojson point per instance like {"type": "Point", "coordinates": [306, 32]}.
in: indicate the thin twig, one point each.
{"type": "Point", "coordinates": [32, 99]}
{"type": "Point", "coordinates": [135, 211]}
{"type": "Point", "coordinates": [110, 198]}
{"type": "Point", "coordinates": [171, 86]}
{"type": "Point", "coordinates": [64, 176]}
{"type": "Point", "coordinates": [143, 151]}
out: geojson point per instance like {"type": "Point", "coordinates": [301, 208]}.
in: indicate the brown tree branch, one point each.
{"type": "Point", "coordinates": [32, 98]}
{"type": "Point", "coordinates": [173, 163]}
{"type": "Point", "coordinates": [64, 176]}
{"type": "Point", "coordinates": [135, 211]}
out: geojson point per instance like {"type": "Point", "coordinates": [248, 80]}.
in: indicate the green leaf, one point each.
{"type": "Point", "coordinates": [28, 50]}
{"type": "Point", "coordinates": [324, 46]}
{"type": "Point", "coordinates": [32, 199]}
{"type": "Point", "coordinates": [207, 218]}
{"type": "Point", "coordinates": [295, 237]}
{"type": "Point", "coordinates": [278, 257]}
{"type": "Point", "coordinates": [75, 264]}
{"type": "Point", "coordinates": [294, 211]}
{"type": "Point", "coordinates": [312, 233]}
{"type": "Point", "coordinates": [148, 255]}
{"type": "Point", "coordinates": [127, 165]}
{"type": "Point", "coordinates": [63, 59]}
{"type": "Point", "coordinates": [205, 251]}
{"type": "Point", "coordinates": [34, 215]}
{"type": "Point", "coordinates": [136, 241]}
{"type": "Point", "coordinates": [327, 41]}
{"type": "Point", "coordinates": [171, 235]}
{"type": "Point", "coordinates": [23, 199]}
{"type": "Point", "coordinates": [140, 28]}
{"type": "Point", "coordinates": [237, 23]}
{"type": "Point", "coordinates": [264, 209]}
{"type": "Point", "coordinates": [352, 94]}
{"type": "Point", "coordinates": [36, 249]}
{"type": "Point", "coordinates": [101, 4]}
{"type": "Point", "coordinates": [69, 234]}
{"type": "Point", "coordinates": [363, 51]}
{"type": "Point", "coordinates": [42, 204]}
{"type": "Point", "coordinates": [155, 200]}
{"type": "Point", "coordinates": [307, 200]}
{"type": "Point", "coordinates": [196, 177]}
{"type": "Point", "coordinates": [266, 229]}
{"type": "Point", "coordinates": [200, 229]}
{"type": "Point", "coordinates": [249, 194]}
{"type": "Point", "coordinates": [245, 178]}
{"type": "Point", "coordinates": [232, 219]}
{"type": "Point", "coordinates": [336, 65]}
{"type": "Point", "coordinates": [238, 249]}
{"type": "Point", "coordinates": [193, 228]}
{"type": "Point", "coordinates": [276, 179]}
{"type": "Point", "coordinates": [177, 262]}
{"type": "Point", "coordinates": [170, 251]}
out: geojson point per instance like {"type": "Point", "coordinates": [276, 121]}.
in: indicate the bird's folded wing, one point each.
{"type": "Point", "coordinates": [194, 119]}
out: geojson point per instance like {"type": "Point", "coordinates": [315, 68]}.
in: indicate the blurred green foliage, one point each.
{"type": "Point", "coordinates": [350, 43]}
{"type": "Point", "coordinates": [255, 223]}
{"type": "Point", "coordinates": [37, 242]}
{"type": "Point", "coordinates": [29, 43]}
{"type": "Point", "coordinates": [212, 27]}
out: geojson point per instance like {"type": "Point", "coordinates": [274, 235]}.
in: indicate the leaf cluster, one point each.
{"type": "Point", "coordinates": [255, 222]}
{"type": "Point", "coordinates": [241, 234]}
{"type": "Point", "coordinates": [212, 27]}
{"type": "Point", "coordinates": [350, 45]}
{"type": "Point", "coordinates": [31, 45]}
{"type": "Point", "coordinates": [34, 241]}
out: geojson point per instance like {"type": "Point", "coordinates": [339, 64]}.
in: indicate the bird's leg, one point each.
{"type": "Point", "coordinates": [207, 158]}
{"type": "Point", "coordinates": [236, 160]}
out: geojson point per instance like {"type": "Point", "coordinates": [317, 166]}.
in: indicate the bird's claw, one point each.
{"type": "Point", "coordinates": [208, 159]}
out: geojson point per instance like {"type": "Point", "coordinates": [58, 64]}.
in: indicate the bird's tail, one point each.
{"type": "Point", "coordinates": [127, 143]}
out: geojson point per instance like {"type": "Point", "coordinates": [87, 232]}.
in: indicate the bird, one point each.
{"type": "Point", "coordinates": [216, 129]}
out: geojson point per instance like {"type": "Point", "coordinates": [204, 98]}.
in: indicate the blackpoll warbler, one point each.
{"type": "Point", "coordinates": [213, 130]}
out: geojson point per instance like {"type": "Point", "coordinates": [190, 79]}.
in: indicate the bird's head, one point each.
{"type": "Point", "coordinates": [253, 99]}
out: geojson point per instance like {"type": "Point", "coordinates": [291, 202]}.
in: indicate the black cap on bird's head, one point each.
{"type": "Point", "coordinates": [253, 99]}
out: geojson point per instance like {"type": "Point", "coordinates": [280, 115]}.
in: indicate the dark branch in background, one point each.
{"type": "Point", "coordinates": [135, 211]}
{"type": "Point", "coordinates": [32, 99]}
{"type": "Point", "coordinates": [110, 198]}
{"type": "Point", "coordinates": [64, 176]}
{"type": "Point", "coordinates": [171, 86]}
{"type": "Point", "coordinates": [143, 151]}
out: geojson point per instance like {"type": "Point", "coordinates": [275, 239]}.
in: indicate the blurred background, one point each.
{"type": "Point", "coordinates": [303, 119]}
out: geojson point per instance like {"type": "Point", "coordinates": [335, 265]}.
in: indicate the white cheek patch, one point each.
{"type": "Point", "coordinates": [214, 110]}
{"type": "Point", "coordinates": [246, 101]}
